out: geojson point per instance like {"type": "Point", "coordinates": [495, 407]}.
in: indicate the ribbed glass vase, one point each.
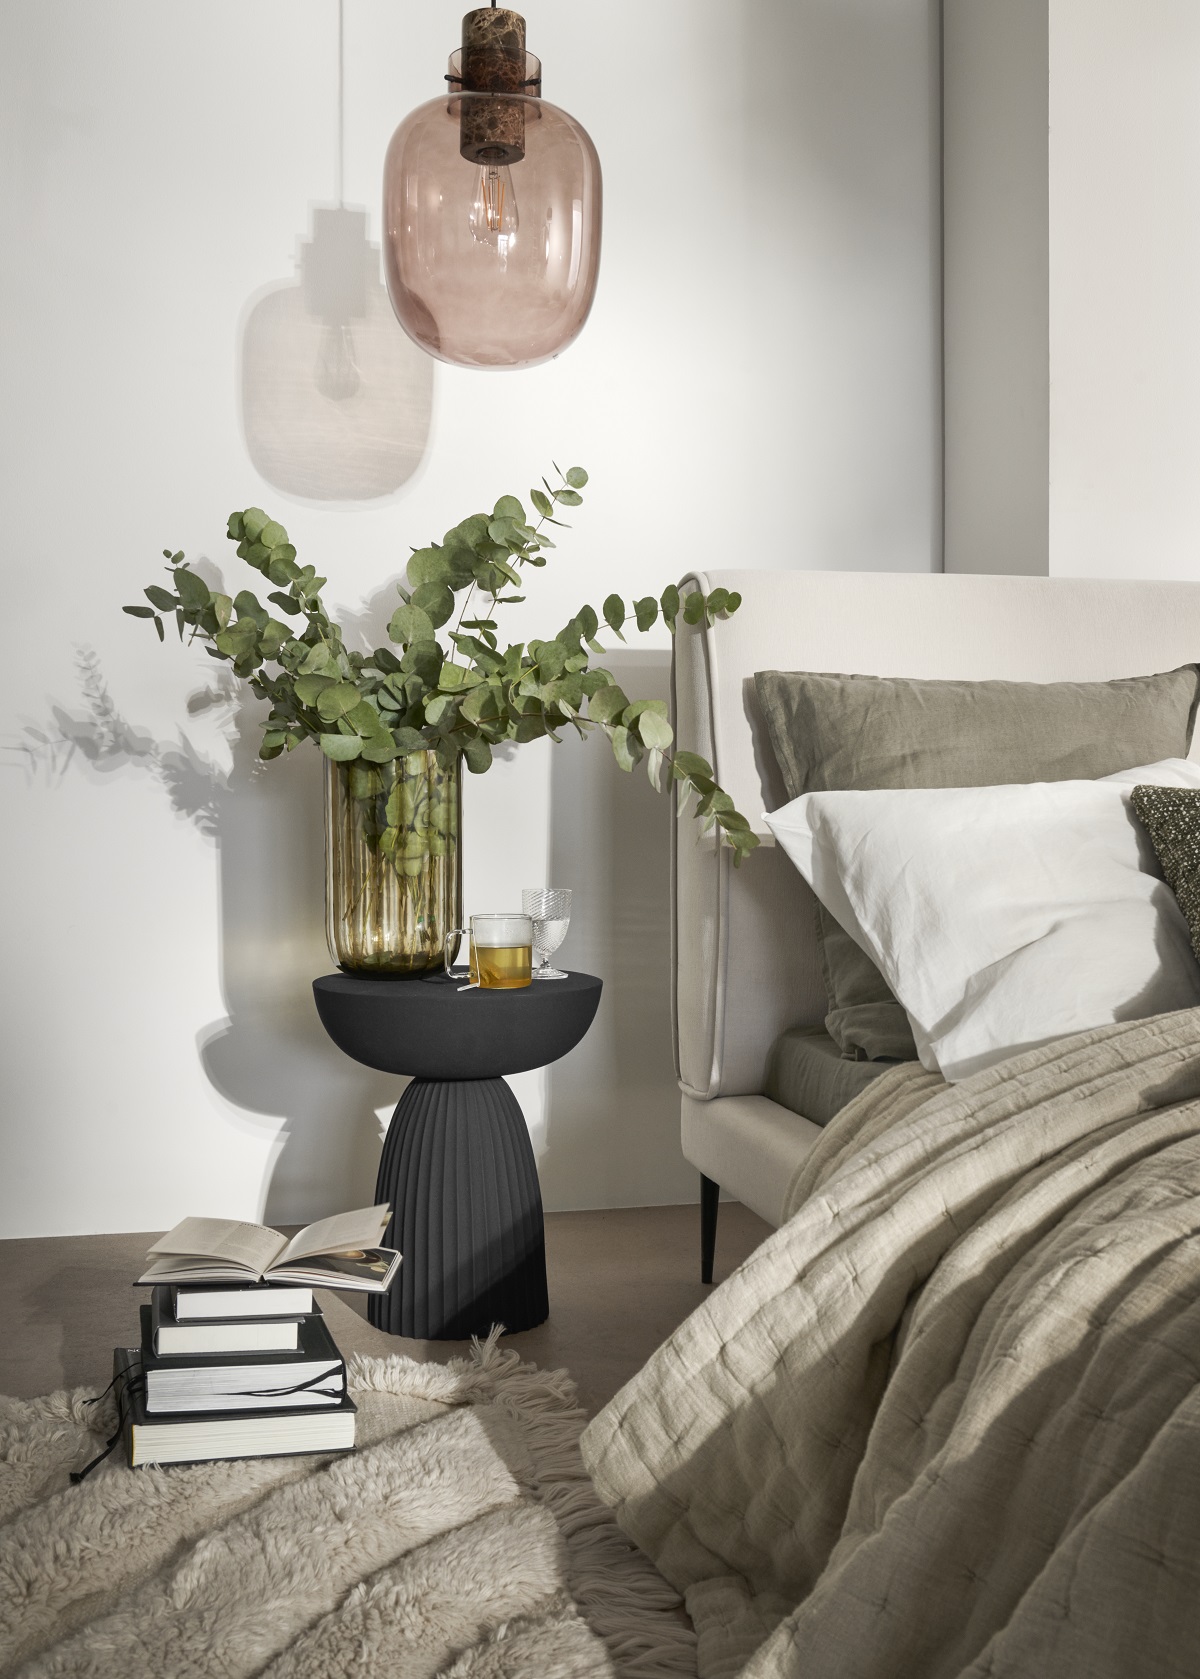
{"type": "Point", "coordinates": [393, 870]}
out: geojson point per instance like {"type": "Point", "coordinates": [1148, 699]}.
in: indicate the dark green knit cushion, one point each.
{"type": "Point", "coordinates": [1171, 817]}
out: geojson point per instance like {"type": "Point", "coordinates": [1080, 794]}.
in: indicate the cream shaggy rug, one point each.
{"type": "Point", "coordinates": [462, 1539]}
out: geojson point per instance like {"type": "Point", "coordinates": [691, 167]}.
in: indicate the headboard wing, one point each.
{"type": "Point", "coordinates": [745, 964]}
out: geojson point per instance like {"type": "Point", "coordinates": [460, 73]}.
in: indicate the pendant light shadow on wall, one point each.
{"type": "Point", "coordinates": [491, 209]}
{"type": "Point", "coordinates": [336, 400]}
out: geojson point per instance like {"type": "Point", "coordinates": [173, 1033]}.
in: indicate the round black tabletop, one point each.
{"type": "Point", "coordinates": [430, 1028]}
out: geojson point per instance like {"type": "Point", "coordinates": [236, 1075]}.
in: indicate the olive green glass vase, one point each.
{"type": "Point", "coordinates": [393, 869]}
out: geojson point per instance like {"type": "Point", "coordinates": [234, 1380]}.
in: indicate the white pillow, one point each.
{"type": "Point", "coordinates": [1001, 917]}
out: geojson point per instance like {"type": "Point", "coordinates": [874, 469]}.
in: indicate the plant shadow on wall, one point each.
{"type": "Point", "coordinates": [269, 1055]}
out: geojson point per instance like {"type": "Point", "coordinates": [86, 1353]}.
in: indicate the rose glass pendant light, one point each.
{"type": "Point", "coordinates": [491, 209]}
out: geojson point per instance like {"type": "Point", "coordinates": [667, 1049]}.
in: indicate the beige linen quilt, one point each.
{"type": "Point", "coordinates": [946, 1421]}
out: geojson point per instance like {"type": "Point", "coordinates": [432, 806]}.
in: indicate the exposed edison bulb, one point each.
{"type": "Point", "coordinates": [494, 219]}
{"type": "Point", "coordinates": [336, 374]}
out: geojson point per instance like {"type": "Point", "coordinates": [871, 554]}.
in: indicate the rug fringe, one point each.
{"type": "Point", "coordinates": [617, 1590]}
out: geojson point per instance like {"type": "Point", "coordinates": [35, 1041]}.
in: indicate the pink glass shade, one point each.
{"type": "Point", "coordinates": [491, 268]}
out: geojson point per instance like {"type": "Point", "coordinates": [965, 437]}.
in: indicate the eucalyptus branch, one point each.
{"type": "Point", "coordinates": [460, 701]}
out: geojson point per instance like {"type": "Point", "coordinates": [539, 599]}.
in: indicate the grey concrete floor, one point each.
{"type": "Point", "coordinates": [620, 1282]}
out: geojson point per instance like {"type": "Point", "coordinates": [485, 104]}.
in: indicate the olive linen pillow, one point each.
{"type": "Point", "coordinates": [1171, 817]}
{"type": "Point", "coordinates": [833, 733]}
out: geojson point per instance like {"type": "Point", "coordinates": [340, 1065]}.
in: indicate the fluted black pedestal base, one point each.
{"type": "Point", "coordinates": [458, 1169]}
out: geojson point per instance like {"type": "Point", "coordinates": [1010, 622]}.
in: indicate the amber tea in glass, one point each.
{"type": "Point", "coordinates": [503, 967]}
{"type": "Point", "coordinates": [501, 952]}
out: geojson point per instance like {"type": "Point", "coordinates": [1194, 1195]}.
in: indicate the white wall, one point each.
{"type": "Point", "coordinates": [758, 380]}
{"type": "Point", "coordinates": [1072, 257]}
{"type": "Point", "coordinates": [995, 241]}
{"type": "Point", "coordinates": [1124, 179]}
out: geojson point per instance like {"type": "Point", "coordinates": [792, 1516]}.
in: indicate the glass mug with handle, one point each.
{"type": "Point", "coordinates": [501, 953]}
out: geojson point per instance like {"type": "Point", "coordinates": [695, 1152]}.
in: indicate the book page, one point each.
{"type": "Point", "coordinates": [172, 1268]}
{"type": "Point", "coordinates": [251, 1245]}
{"type": "Point", "coordinates": [361, 1268]}
{"type": "Point", "coordinates": [342, 1233]}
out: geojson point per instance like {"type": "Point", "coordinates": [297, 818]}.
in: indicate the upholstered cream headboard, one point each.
{"type": "Point", "coordinates": [745, 964]}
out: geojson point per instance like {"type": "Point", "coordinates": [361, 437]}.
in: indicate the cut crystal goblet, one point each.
{"type": "Point", "coordinates": [550, 911]}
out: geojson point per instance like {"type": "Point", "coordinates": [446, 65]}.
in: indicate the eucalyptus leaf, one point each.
{"type": "Point", "coordinates": [247, 605]}
{"type": "Point", "coordinates": [337, 701]}
{"type": "Point", "coordinates": [408, 624]}
{"type": "Point", "coordinates": [341, 748]}
{"type": "Point", "coordinates": [308, 689]}
{"type": "Point", "coordinates": [238, 640]}
{"type": "Point", "coordinates": [607, 704]}
{"type": "Point", "coordinates": [366, 721]}
{"type": "Point", "coordinates": [614, 614]}
{"type": "Point", "coordinates": [281, 571]}
{"type": "Point", "coordinates": [634, 711]}
{"type": "Point", "coordinates": [453, 677]}
{"type": "Point", "coordinates": [654, 730]}
{"type": "Point", "coordinates": [626, 748]}
{"type": "Point", "coordinates": [438, 707]}
{"type": "Point", "coordinates": [551, 659]}
{"type": "Point", "coordinates": [423, 659]}
{"type": "Point", "coordinates": [380, 749]}
{"type": "Point", "coordinates": [478, 756]}
{"type": "Point", "coordinates": [272, 638]}
{"type": "Point", "coordinates": [691, 764]}
{"type": "Point", "coordinates": [192, 590]}
{"type": "Point", "coordinates": [436, 601]}
{"type": "Point", "coordinates": [428, 565]}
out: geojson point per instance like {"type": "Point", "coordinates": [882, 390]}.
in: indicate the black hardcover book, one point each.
{"type": "Point", "coordinates": [314, 1374]}
{"type": "Point", "coordinates": [202, 1437]}
{"type": "Point", "coordinates": [176, 1339]}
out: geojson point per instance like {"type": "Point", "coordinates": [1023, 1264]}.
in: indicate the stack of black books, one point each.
{"type": "Point", "coordinates": [235, 1357]}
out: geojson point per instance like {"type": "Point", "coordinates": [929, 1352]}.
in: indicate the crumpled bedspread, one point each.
{"type": "Point", "coordinates": [946, 1421]}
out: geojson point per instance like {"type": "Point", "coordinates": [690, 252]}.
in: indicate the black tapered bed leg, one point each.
{"type": "Point", "coordinates": [709, 1200]}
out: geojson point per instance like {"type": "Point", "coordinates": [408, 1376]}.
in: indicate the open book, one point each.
{"type": "Point", "coordinates": [338, 1252]}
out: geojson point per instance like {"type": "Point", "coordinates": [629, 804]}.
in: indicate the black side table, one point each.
{"type": "Point", "coordinates": [457, 1163]}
